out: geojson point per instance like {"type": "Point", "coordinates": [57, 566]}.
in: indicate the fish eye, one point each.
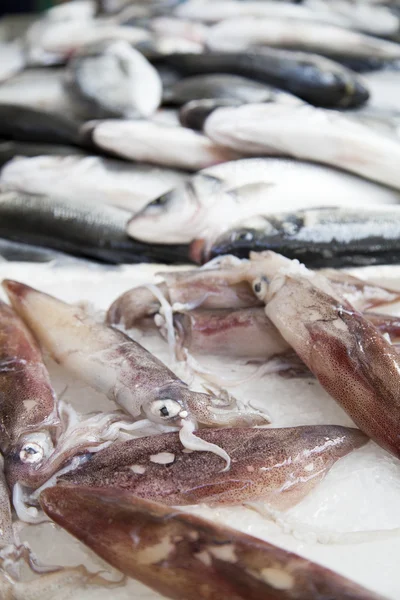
{"type": "Point", "coordinates": [165, 409]}
{"type": "Point", "coordinates": [31, 453]}
{"type": "Point", "coordinates": [244, 236]}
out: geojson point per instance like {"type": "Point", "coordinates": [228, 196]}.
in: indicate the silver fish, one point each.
{"type": "Point", "coordinates": [94, 179]}
{"type": "Point", "coordinates": [193, 114]}
{"type": "Point", "coordinates": [223, 86]}
{"type": "Point", "coordinates": [41, 89]}
{"type": "Point", "coordinates": [309, 134]}
{"type": "Point", "coordinates": [328, 40]}
{"type": "Point", "coordinates": [159, 144]}
{"type": "Point", "coordinates": [53, 42]}
{"type": "Point", "coordinates": [9, 149]}
{"type": "Point", "coordinates": [12, 59]}
{"type": "Point", "coordinates": [217, 198]}
{"type": "Point", "coordinates": [114, 80]}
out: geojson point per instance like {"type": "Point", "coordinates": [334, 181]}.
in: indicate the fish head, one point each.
{"type": "Point", "coordinates": [177, 216]}
{"type": "Point", "coordinates": [27, 461]}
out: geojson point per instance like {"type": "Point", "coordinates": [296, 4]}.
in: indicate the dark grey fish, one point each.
{"type": "Point", "coordinates": [30, 125]}
{"type": "Point", "coordinates": [9, 149]}
{"type": "Point", "coordinates": [318, 237]}
{"type": "Point", "coordinates": [313, 78]}
{"type": "Point", "coordinates": [78, 228]}
{"type": "Point", "coordinates": [194, 113]}
{"type": "Point", "coordinates": [222, 86]}
{"type": "Point", "coordinates": [15, 251]}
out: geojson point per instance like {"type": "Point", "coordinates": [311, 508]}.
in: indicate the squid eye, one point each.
{"type": "Point", "coordinates": [260, 287]}
{"type": "Point", "coordinates": [165, 409]}
{"type": "Point", "coordinates": [31, 453]}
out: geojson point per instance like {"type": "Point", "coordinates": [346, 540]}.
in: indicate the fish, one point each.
{"type": "Point", "coordinates": [159, 144]}
{"type": "Point", "coordinates": [113, 80]}
{"type": "Point", "coordinates": [193, 114]}
{"type": "Point", "coordinates": [312, 78]}
{"type": "Point", "coordinates": [85, 230]}
{"type": "Point", "coordinates": [10, 149]}
{"type": "Point", "coordinates": [52, 42]}
{"type": "Point", "coordinates": [349, 356]}
{"type": "Point", "coordinates": [98, 180]}
{"type": "Point", "coordinates": [176, 553]}
{"type": "Point", "coordinates": [157, 468]}
{"type": "Point", "coordinates": [211, 12]}
{"type": "Point", "coordinates": [12, 59]}
{"type": "Point", "coordinates": [216, 199]}
{"type": "Point", "coordinates": [117, 366]}
{"type": "Point", "coordinates": [180, 28]}
{"type": "Point", "coordinates": [320, 237]}
{"type": "Point", "coordinates": [310, 133]}
{"type": "Point", "coordinates": [40, 89]}
{"type": "Point", "coordinates": [15, 251]}
{"type": "Point", "coordinates": [26, 124]}
{"type": "Point", "coordinates": [329, 40]}
{"type": "Point", "coordinates": [376, 19]}
{"type": "Point", "coordinates": [224, 86]}
{"type": "Point", "coordinates": [384, 88]}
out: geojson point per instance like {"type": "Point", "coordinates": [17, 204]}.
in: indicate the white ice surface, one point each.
{"type": "Point", "coordinates": [361, 493]}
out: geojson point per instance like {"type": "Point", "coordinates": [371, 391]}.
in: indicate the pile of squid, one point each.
{"type": "Point", "coordinates": [116, 488]}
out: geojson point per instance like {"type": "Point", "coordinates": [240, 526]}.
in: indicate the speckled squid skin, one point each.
{"type": "Point", "coordinates": [27, 399]}
{"type": "Point", "coordinates": [279, 466]}
{"type": "Point", "coordinates": [6, 529]}
{"type": "Point", "coordinates": [185, 557]}
{"type": "Point", "coordinates": [351, 359]}
{"type": "Point", "coordinates": [114, 364]}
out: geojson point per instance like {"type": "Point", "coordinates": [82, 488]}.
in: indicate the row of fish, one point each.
{"type": "Point", "coordinates": [101, 488]}
{"type": "Point", "coordinates": [95, 113]}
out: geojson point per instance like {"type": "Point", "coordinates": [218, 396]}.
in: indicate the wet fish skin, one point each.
{"type": "Point", "coordinates": [82, 230]}
{"type": "Point", "coordinates": [193, 114]}
{"type": "Point", "coordinates": [216, 199]}
{"type": "Point", "coordinates": [310, 133]}
{"type": "Point", "coordinates": [96, 179]}
{"type": "Point", "coordinates": [113, 80]}
{"type": "Point", "coordinates": [325, 39]}
{"type": "Point", "coordinates": [224, 86]}
{"type": "Point", "coordinates": [321, 237]}
{"type": "Point", "coordinates": [25, 124]}
{"type": "Point", "coordinates": [160, 546]}
{"type": "Point", "coordinates": [12, 59]}
{"type": "Point", "coordinates": [156, 143]}
{"type": "Point", "coordinates": [315, 79]}
{"type": "Point", "coordinates": [10, 149]}
{"type": "Point", "coordinates": [277, 455]}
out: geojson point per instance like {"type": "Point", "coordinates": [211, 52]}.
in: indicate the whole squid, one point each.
{"type": "Point", "coordinates": [351, 359]}
{"type": "Point", "coordinates": [278, 466]}
{"type": "Point", "coordinates": [29, 419]}
{"type": "Point", "coordinates": [225, 285]}
{"type": "Point", "coordinates": [119, 367]}
{"type": "Point", "coordinates": [185, 557]}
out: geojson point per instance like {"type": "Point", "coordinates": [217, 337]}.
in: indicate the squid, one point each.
{"type": "Point", "coordinates": [112, 363]}
{"type": "Point", "coordinates": [349, 356]}
{"type": "Point", "coordinates": [277, 466]}
{"type": "Point", "coordinates": [226, 284]}
{"type": "Point", "coordinates": [184, 557]}
{"type": "Point", "coordinates": [29, 419]}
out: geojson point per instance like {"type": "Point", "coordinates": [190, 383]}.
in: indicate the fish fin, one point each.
{"type": "Point", "coordinates": [256, 187]}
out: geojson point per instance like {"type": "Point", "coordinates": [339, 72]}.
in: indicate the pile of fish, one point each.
{"type": "Point", "coordinates": [260, 140]}
{"type": "Point", "coordinates": [141, 121]}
